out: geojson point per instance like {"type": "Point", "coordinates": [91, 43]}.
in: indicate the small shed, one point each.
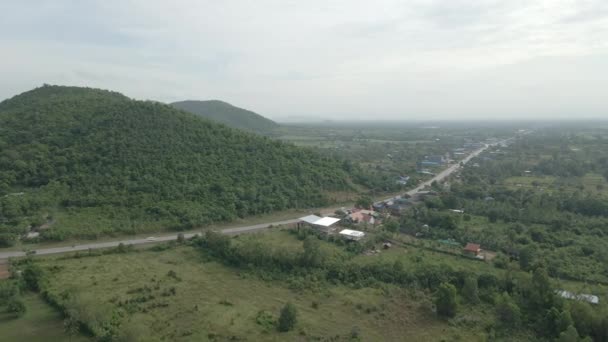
{"type": "Point", "coordinates": [354, 235]}
{"type": "Point", "coordinates": [472, 249]}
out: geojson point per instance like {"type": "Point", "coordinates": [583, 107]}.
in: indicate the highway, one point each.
{"type": "Point", "coordinates": [233, 230]}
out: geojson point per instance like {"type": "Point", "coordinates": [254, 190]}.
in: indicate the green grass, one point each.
{"type": "Point", "coordinates": [40, 323]}
{"type": "Point", "coordinates": [214, 301]}
{"type": "Point", "coordinates": [530, 182]}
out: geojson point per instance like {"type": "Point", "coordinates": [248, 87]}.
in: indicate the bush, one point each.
{"type": "Point", "coordinates": [16, 307]}
{"type": "Point", "coordinates": [288, 317]}
{"type": "Point", "coordinates": [32, 276]}
{"type": "Point", "coordinates": [446, 300]}
{"type": "Point", "coordinates": [265, 319]}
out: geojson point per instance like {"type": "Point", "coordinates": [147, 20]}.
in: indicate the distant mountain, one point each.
{"type": "Point", "coordinates": [228, 114]}
{"type": "Point", "coordinates": [113, 161]}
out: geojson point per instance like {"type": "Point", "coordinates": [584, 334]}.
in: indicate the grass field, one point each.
{"type": "Point", "coordinates": [213, 302]}
{"type": "Point", "coordinates": [591, 183]}
{"type": "Point", "coordinates": [41, 323]}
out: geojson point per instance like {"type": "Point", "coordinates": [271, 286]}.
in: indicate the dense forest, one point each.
{"type": "Point", "coordinates": [70, 150]}
{"type": "Point", "coordinates": [228, 114]}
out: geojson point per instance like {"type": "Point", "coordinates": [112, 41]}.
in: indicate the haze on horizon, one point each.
{"type": "Point", "coordinates": [390, 60]}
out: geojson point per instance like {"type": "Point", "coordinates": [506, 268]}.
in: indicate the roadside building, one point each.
{"type": "Point", "coordinates": [323, 224]}
{"type": "Point", "coordinates": [362, 216]}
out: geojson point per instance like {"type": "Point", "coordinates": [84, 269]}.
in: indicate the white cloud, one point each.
{"type": "Point", "coordinates": [341, 59]}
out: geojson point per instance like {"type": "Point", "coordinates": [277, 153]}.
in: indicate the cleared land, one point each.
{"type": "Point", "coordinates": [175, 295]}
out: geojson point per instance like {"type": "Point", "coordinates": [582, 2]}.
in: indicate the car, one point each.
{"type": "Point", "coordinates": [151, 238]}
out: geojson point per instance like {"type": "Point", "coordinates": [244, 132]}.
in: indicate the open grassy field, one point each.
{"type": "Point", "coordinates": [175, 296]}
{"type": "Point", "coordinates": [41, 323]}
{"type": "Point", "coordinates": [591, 183]}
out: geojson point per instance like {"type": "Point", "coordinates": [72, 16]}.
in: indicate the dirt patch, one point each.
{"type": "Point", "coordinates": [488, 255]}
{"type": "Point", "coordinates": [4, 272]}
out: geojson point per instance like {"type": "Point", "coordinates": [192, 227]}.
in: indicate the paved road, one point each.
{"type": "Point", "coordinates": [97, 245]}
{"type": "Point", "coordinates": [236, 230]}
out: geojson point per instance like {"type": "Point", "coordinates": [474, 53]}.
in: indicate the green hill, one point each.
{"type": "Point", "coordinates": [98, 162]}
{"type": "Point", "coordinates": [228, 114]}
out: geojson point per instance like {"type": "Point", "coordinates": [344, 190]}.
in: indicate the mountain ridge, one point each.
{"type": "Point", "coordinates": [83, 150]}
{"type": "Point", "coordinates": [227, 114]}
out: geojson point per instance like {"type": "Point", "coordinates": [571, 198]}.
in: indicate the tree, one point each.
{"type": "Point", "coordinates": [364, 202]}
{"type": "Point", "coordinates": [469, 289]}
{"type": "Point", "coordinates": [16, 307]}
{"type": "Point", "coordinates": [542, 292]}
{"type": "Point", "coordinates": [564, 321]}
{"type": "Point", "coordinates": [507, 311]}
{"type": "Point", "coordinates": [312, 251]}
{"type": "Point", "coordinates": [288, 317]}
{"type": "Point", "coordinates": [526, 257]}
{"type": "Point", "coordinates": [570, 335]}
{"type": "Point", "coordinates": [391, 225]}
{"type": "Point", "coordinates": [446, 300]}
{"type": "Point", "coordinates": [7, 240]}
{"type": "Point", "coordinates": [32, 275]}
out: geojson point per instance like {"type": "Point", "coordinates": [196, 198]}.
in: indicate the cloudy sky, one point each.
{"type": "Point", "coordinates": [446, 59]}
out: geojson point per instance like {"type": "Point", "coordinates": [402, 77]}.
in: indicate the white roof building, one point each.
{"type": "Point", "coordinates": [326, 221]}
{"type": "Point", "coordinates": [321, 223]}
{"type": "Point", "coordinates": [352, 234]}
{"type": "Point", "coordinates": [580, 297]}
{"type": "Point", "coordinates": [310, 219]}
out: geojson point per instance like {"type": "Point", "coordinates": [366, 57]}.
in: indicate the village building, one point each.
{"type": "Point", "coordinates": [363, 216]}
{"type": "Point", "coordinates": [402, 180]}
{"type": "Point", "coordinates": [353, 235]}
{"type": "Point", "coordinates": [592, 299]}
{"type": "Point", "coordinates": [323, 224]}
{"type": "Point", "coordinates": [472, 249]}
{"type": "Point", "coordinates": [432, 161]}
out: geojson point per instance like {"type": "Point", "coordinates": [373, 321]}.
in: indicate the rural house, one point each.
{"type": "Point", "coordinates": [472, 249]}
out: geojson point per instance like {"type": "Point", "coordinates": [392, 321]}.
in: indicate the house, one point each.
{"type": "Point", "coordinates": [363, 216]}
{"type": "Point", "coordinates": [323, 224]}
{"type": "Point", "coordinates": [426, 172]}
{"type": "Point", "coordinates": [472, 249]}
{"type": "Point", "coordinates": [580, 297]}
{"type": "Point", "coordinates": [32, 235]}
{"type": "Point", "coordinates": [379, 206]}
{"type": "Point", "coordinates": [432, 161]}
{"type": "Point", "coordinates": [397, 208]}
{"type": "Point", "coordinates": [353, 235]}
{"type": "Point", "coordinates": [402, 180]}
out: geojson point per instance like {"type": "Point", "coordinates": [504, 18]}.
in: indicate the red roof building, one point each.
{"type": "Point", "coordinates": [472, 248]}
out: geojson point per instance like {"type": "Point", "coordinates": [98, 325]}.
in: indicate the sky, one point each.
{"type": "Point", "coordinates": [322, 60]}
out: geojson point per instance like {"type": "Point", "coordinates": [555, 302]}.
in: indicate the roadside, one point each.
{"type": "Point", "coordinates": [4, 271]}
{"type": "Point", "coordinates": [282, 218]}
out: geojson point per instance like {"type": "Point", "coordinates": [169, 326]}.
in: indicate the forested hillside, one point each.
{"type": "Point", "coordinates": [228, 114]}
{"type": "Point", "coordinates": [95, 154]}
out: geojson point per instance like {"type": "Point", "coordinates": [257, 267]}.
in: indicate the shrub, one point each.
{"type": "Point", "coordinates": [446, 300]}
{"type": "Point", "coordinates": [16, 307]}
{"type": "Point", "coordinates": [288, 317]}
{"type": "Point", "coordinates": [265, 319]}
